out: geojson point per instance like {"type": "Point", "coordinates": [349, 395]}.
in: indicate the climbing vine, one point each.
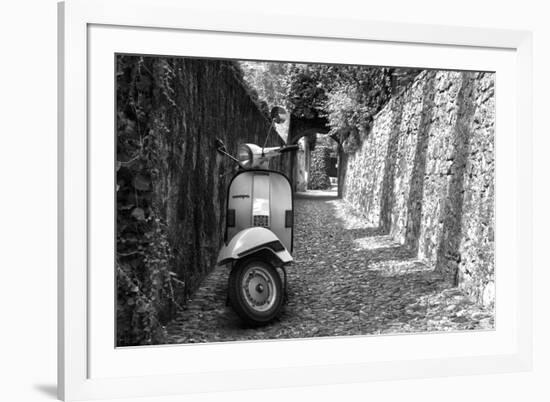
{"type": "Point", "coordinates": [145, 284]}
{"type": "Point", "coordinates": [170, 189]}
{"type": "Point", "coordinates": [319, 169]}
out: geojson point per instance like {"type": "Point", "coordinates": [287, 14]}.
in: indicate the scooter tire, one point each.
{"type": "Point", "coordinates": [254, 311]}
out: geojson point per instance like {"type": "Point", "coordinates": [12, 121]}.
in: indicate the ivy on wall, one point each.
{"type": "Point", "coordinates": [146, 287]}
{"type": "Point", "coordinates": [319, 168]}
{"type": "Point", "coordinates": [171, 184]}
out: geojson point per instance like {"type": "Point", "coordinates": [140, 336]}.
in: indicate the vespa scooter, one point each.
{"type": "Point", "coordinates": [259, 231]}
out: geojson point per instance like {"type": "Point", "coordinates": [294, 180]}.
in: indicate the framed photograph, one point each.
{"type": "Point", "coordinates": [251, 201]}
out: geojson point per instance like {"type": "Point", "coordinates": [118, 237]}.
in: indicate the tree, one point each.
{"type": "Point", "coordinates": [268, 79]}
{"type": "Point", "coordinates": [349, 96]}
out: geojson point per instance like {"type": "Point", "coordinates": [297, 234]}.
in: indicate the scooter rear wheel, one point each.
{"type": "Point", "coordinates": [255, 291]}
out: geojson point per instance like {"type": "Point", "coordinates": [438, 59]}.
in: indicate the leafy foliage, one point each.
{"type": "Point", "coordinates": [145, 285]}
{"type": "Point", "coordinates": [269, 81]}
{"type": "Point", "coordinates": [348, 96]}
{"type": "Point", "coordinates": [319, 169]}
{"type": "Point", "coordinates": [307, 92]}
{"type": "Point", "coordinates": [169, 191]}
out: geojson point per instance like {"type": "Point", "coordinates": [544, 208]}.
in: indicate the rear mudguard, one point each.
{"type": "Point", "coordinates": [255, 240]}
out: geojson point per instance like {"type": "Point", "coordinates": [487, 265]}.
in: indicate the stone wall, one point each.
{"type": "Point", "coordinates": [190, 103]}
{"type": "Point", "coordinates": [425, 175]}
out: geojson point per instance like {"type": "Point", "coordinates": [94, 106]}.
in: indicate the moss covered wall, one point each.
{"type": "Point", "coordinates": [183, 105]}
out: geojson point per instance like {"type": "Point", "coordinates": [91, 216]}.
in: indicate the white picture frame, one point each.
{"type": "Point", "coordinates": [85, 26]}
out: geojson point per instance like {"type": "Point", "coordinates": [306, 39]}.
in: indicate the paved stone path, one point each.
{"type": "Point", "coordinates": [347, 279]}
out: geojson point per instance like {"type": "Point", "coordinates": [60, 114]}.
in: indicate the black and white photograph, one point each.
{"type": "Point", "coordinates": [265, 200]}
{"type": "Point", "coordinates": [275, 201]}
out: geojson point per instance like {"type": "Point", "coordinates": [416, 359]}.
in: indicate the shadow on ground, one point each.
{"type": "Point", "coordinates": [347, 279]}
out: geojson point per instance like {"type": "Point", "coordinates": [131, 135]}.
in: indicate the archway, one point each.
{"type": "Point", "coordinates": [317, 167]}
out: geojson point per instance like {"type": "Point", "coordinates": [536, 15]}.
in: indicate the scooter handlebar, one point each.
{"type": "Point", "coordinates": [289, 148]}
{"type": "Point", "coordinates": [252, 156]}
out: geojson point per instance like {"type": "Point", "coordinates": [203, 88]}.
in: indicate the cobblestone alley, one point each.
{"type": "Point", "coordinates": [347, 279]}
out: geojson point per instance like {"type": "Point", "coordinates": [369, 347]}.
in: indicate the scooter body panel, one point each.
{"type": "Point", "coordinates": [260, 198]}
{"type": "Point", "coordinates": [253, 240]}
